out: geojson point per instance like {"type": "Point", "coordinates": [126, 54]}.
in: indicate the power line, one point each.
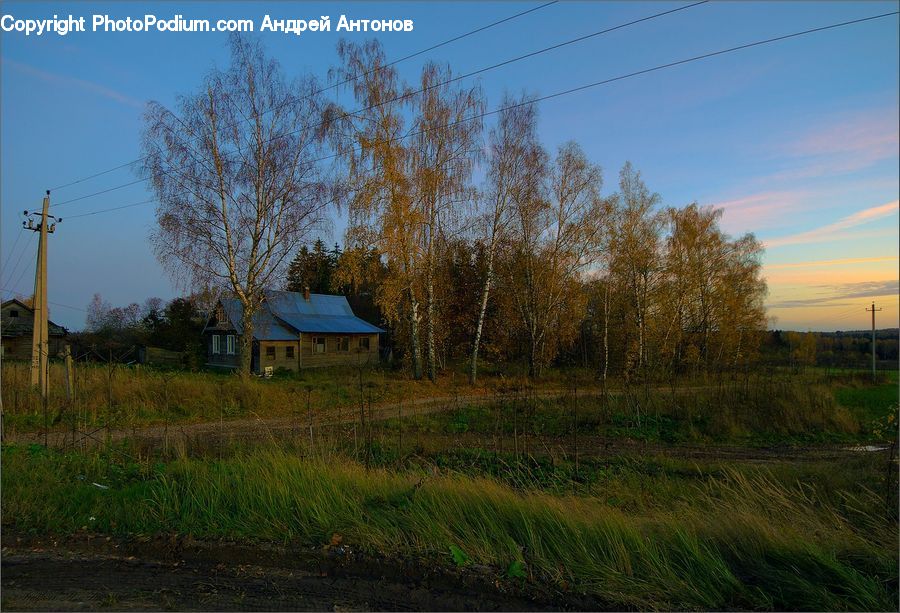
{"type": "Point", "coordinates": [103, 191]}
{"type": "Point", "coordinates": [344, 82]}
{"type": "Point", "coordinates": [594, 84]}
{"type": "Point", "coordinates": [59, 304]}
{"type": "Point", "coordinates": [645, 71]}
{"type": "Point", "coordinates": [12, 252]}
{"type": "Point", "coordinates": [16, 265]}
{"type": "Point", "coordinates": [115, 208]}
{"type": "Point", "coordinates": [425, 89]}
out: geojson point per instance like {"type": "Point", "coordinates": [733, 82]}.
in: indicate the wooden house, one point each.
{"type": "Point", "coordinates": [17, 330]}
{"type": "Point", "coordinates": [292, 330]}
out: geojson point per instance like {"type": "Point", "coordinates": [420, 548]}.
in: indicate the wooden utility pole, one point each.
{"type": "Point", "coordinates": [40, 346]}
{"type": "Point", "coordinates": [873, 309]}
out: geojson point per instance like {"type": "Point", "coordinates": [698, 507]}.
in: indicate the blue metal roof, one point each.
{"type": "Point", "coordinates": [322, 313]}
{"type": "Point", "coordinates": [284, 314]}
{"type": "Point", "coordinates": [265, 326]}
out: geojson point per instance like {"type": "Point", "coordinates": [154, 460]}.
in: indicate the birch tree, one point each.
{"type": "Point", "coordinates": [634, 247]}
{"type": "Point", "coordinates": [443, 151]}
{"type": "Point", "coordinates": [382, 211]}
{"type": "Point", "coordinates": [554, 236]}
{"type": "Point", "coordinates": [234, 169]}
{"type": "Point", "coordinates": [516, 162]}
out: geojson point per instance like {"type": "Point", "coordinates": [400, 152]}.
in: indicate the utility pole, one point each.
{"type": "Point", "coordinates": [40, 346]}
{"type": "Point", "coordinates": [873, 309]}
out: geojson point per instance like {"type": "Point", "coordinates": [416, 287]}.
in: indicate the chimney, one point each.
{"type": "Point", "coordinates": [306, 293]}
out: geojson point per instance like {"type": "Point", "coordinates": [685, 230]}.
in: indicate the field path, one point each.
{"type": "Point", "coordinates": [211, 435]}
{"type": "Point", "coordinates": [249, 428]}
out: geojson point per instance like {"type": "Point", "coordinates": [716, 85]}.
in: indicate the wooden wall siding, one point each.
{"type": "Point", "coordinates": [281, 359]}
{"type": "Point", "coordinates": [19, 347]}
{"type": "Point", "coordinates": [303, 353]}
{"type": "Point", "coordinates": [333, 357]}
{"type": "Point", "coordinates": [222, 358]}
{"type": "Point", "coordinates": [19, 330]}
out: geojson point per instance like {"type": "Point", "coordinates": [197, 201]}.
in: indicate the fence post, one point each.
{"type": "Point", "coordinates": [309, 414]}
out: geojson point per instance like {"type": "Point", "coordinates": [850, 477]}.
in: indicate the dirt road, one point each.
{"type": "Point", "coordinates": [261, 428]}
{"type": "Point", "coordinates": [84, 573]}
{"type": "Point", "coordinates": [200, 437]}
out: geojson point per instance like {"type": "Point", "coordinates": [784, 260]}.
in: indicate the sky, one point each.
{"type": "Point", "coordinates": [797, 140]}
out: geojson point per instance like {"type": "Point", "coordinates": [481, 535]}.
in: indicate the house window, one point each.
{"type": "Point", "coordinates": [344, 343]}
{"type": "Point", "coordinates": [215, 342]}
{"type": "Point", "coordinates": [364, 343]}
{"type": "Point", "coordinates": [289, 352]}
{"type": "Point", "coordinates": [230, 343]}
{"type": "Point", "coordinates": [220, 314]}
{"type": "Point", "coordinates": [319, 344]}
{"type": "Point", "coordinates": [270, 352]}
{"type": "Point", "coordinates": [13, 313]}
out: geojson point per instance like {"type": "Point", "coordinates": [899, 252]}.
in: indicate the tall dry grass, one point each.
{"type": "Point", "coordinates": [737, 541]}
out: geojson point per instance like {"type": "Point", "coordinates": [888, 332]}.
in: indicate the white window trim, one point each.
{"type": "Point", "coordinates": [216, 344]}
{"type": "Point", "coordinates": [230, 343]}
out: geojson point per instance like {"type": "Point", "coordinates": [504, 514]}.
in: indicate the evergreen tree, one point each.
{"type": "Point", "coordinates": [313, 269]}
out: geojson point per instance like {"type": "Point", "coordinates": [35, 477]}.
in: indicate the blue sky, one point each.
{"type": "Point", "coordinates": [797, 140]}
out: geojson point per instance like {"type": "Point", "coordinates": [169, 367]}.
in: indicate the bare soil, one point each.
{"type": "Point", "coordinates": [86, 572]}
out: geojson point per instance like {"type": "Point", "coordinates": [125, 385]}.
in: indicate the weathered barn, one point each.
{"type": "Point", "coordinates": [292, 330]}
{"type": "Point", "coordinates": [17, 326]}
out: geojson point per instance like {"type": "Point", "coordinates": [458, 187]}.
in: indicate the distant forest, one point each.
{"type": "Point", "coordinates": [844, 349]}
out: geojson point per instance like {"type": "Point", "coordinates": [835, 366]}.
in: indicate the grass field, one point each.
{"type": "Point", "coordinates": [621, 498]}
{"type": "Point", "coordinates": [664, 535]}
{"type": "Point", "coordinates": [773, 412]}
{"type": "Point", "coordinates": [763, 408]}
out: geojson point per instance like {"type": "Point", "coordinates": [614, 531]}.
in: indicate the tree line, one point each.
{"type": "Point", "coordinates": [469, 241]}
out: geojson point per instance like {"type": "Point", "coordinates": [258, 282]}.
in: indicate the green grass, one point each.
{"type": "Point", "coordinates": [870, 402]}
{"type": "Point", "coordinates": [721, 539]}
{"type": "Point", "coordinates": [776, 412]}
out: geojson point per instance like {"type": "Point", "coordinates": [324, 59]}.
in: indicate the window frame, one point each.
{"type": "Point", "coordinates": [231, 344]}
{"type": "Point", "coordinates": [368, 344]}
{"type": "Point", "coordinates": [270, 352]}
{"type": "Point", "coordinates": [216, 344]}
{"type": "Point", "coordinates": [343, 344]}
{"type": "Point", "coordinates": [315, 344]}
{"type": "Point", "coordinates": [289, 352]}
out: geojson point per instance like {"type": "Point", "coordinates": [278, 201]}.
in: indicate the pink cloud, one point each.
{"type": "Point", "coordinates": [843, 144]}
{"type": "Point", "coordinates": [67, 81]}
{"type": "Point", "coordinates": [758, 210]}
{"type": "Point", "coordinates": [827, 263]}
{"type": "Point", "coordinates": [872, 134]}
{"type": "Point", "coordinates": [834, 231]}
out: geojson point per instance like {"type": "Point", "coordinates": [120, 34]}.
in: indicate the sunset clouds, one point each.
{"type": "Point", "coordinates": [68, 81]}
{"type": "Point", "coordinates": [865, 136]}
{"type": "Point", "coordinates": [834, 231]}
